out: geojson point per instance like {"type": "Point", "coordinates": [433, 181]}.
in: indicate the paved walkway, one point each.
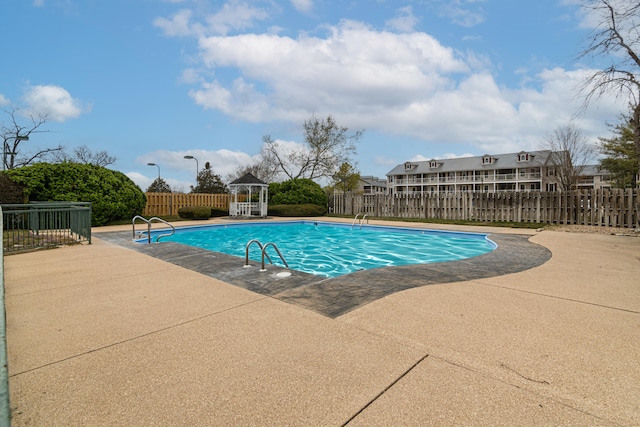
{"type": "Point", "coordinates": [104, 335]}
{"type": "Point", "coordinates": [337, 296]}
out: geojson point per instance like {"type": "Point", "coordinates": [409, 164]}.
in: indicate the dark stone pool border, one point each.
{"type": "Point", "coordinates": [337, 296]}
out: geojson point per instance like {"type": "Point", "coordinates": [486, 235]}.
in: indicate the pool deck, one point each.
{"type": "Point", "coordinates": [105, 334]}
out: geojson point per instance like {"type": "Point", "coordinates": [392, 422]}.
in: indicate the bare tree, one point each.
{"type": "Point", "coordinates": [261, 168]}
{"type": "Point", "coordinates": [15, 134]}
{"type": "Point", "coordinates": [616, 38]}
{"type": "Point", "coordinates": [327, 146]}
{"type": "Point", "coordinates": [84, 155]}
{"type": "Point", "coordinates": [569, 153]}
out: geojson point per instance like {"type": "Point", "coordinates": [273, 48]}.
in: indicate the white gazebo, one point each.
{"type": "Point", "coordinates": [247, 188]}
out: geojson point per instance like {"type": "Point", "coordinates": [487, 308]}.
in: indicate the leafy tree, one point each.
{"type": "Point", "coordinates": [298, 191]}
{"type": "Point", "coordinates": [327, 146]}
{"type": "Point", "coordinates": [619, 155]}
{"type": "Point", "coordinates": [570, 152]}
{"type": "Point", "coordinates": [112, 194]}
{"type": "Point", "coordinates": [15, 134]}
{"type": "Point", "coordinates": [346, 179]}
{"type": "Point", "coordinates": [208, 182]}
{"type": "Point", "coordinates": [159, 185]}
{"type": "Point", "coordinates": [616, 38]}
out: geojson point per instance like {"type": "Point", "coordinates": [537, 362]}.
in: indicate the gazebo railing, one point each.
{"type": "Point", "coordinates": [246, 208]}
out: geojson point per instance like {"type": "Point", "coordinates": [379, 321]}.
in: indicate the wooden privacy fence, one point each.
{"type": "Point", "coordinates": [610, 208]}
{"type": "Point", "coordinates": [169, 203]}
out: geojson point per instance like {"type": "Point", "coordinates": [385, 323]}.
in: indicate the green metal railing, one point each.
{"type": "Point", "coordinates": [45, 224]}
{"type": "Point", "coordinates": [5, 408]}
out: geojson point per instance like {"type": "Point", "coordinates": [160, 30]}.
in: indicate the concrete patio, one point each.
{"type": "Point", "coordinates": [102, 334]}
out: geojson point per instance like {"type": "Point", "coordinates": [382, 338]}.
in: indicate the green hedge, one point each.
{"type": "Point", "coordinates": [113, 196]}
{"type": "Point", "coordinates": [218, 212]}
{"type": "Point", "coordinates": [297, 192]}
{"type": "Point", "coordinates": [297, 210]}
{"type": "Point", "coordinates": [195, 212]}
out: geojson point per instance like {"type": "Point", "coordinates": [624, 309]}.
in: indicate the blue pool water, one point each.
{"type": "Point", "coordinates": [333, 249]}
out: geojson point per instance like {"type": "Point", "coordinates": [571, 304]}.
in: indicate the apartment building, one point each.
{"type": "Point", "coordinates": [593, 177]}
{"type": "Point", "coordinates": [372, 185]}
{"type": "Point", "coordinates": [368, 185]}
{"type": "Point", "coordinates": [523, 171]}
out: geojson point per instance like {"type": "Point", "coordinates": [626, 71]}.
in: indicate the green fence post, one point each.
{"type": "Point", "coordinates": [5, 407]}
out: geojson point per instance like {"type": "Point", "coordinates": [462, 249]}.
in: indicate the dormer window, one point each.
{"type": "Point", "coordinates": [408, 166]}
{"type": "Point", "coordinates": [434, 163]}
{"type": "Point", "coordinates": [523, 157]}
{"type": "Point", "coordinates": [487, 160]}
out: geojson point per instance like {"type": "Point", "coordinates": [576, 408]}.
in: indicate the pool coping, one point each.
{"type": "Point", "coordinates": [333, 297]}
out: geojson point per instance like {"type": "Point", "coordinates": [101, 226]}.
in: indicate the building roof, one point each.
{"type": "Point", "coordinates": [373, 181]}
{"type": "Point", "coordinates": [500, 161]}
{"type": "Point", "coordinates": [248, 179]}
{"type": "Point", "coordinates": [594, 170]}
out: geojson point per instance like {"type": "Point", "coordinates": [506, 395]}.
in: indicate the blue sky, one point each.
{"type": "Point", "coordinates": [155, 80]}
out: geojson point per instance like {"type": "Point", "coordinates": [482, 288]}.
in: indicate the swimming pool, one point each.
{"type": "Point", "coordinates": [333, 249]}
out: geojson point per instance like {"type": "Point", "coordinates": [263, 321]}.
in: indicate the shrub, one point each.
{"type": "Point", "coordinates": [194, 212]}
{"type": "Point", "coordinates": [113, 196]}
{"type": "Point", "coordinates": [297, 210]}
{"type": "Point", "coordinates": [297, 192]}
{"type": "Point", "coordinates": [217, 212]}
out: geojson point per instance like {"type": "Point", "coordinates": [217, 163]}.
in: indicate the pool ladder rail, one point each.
{"type": "Point", "coordinates": [361, 220]}
{"type": "Point", "coordinates": [263, 250]}
{"type": "Point", "coordinates": [142, 233]}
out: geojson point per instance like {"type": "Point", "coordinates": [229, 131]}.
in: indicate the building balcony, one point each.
{"type": "Point", "coordinates": [505, 177]}
{"type": "Point", "coordinates": [530, 176]}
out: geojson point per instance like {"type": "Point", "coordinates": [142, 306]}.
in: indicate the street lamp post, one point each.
{"type": "Point", "coordinates": [5, 152]}
{"type": "Point", "coordinates": [153, 164]}
{"type": "Point", "coordinates": [197, 168]}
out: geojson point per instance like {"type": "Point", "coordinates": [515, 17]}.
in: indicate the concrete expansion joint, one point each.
{"type": "Point", "coordinates": [387, 388]}
{"type": "Point", "coordinates": [115, 344]}
{"type": "Point", "coordinates": [479, 282]}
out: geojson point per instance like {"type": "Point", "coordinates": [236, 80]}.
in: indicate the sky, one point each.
{"type": "Point", "coordinates": [150, 81]}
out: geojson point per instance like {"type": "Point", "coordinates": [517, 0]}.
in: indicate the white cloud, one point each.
{"type": "Point", "coordinates": [304, 6]}
{"type": "Point", "coordinates": [285, 78]}
{"type": "Point", "coordinates": [223, 162]}
{"type": "Point", "coordinates": [143, 181]}
{"type": "Point", "coordinates": [394, 83]}
{"type": "Point", "coordinates": [38, 3]}
{"type": "Point", "coordinates": [466, 13]}
{"type": "Point", "coordinates": [4, 100]}
{"type": "Point", "coordinates": [178, 25]}
{"type": "Point", "coordinates": [404, 22]}
{"type": "Point", "coordinates": [54, 102]}
{"type": "Point", "coordinates": [233, 16]}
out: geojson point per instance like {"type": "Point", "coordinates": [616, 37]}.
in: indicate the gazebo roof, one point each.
{"type": "Point", "coordinates": [248, 178]}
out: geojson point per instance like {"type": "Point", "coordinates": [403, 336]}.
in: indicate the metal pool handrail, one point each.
{"type": "Point", "coordinates": [277, 250]}
{"type": "Point", "coordinates": [361, 220]}
{"type": "Point", "coordinates": [148, 232]}
{"type": "Point", "coordinates": [246, 252]}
